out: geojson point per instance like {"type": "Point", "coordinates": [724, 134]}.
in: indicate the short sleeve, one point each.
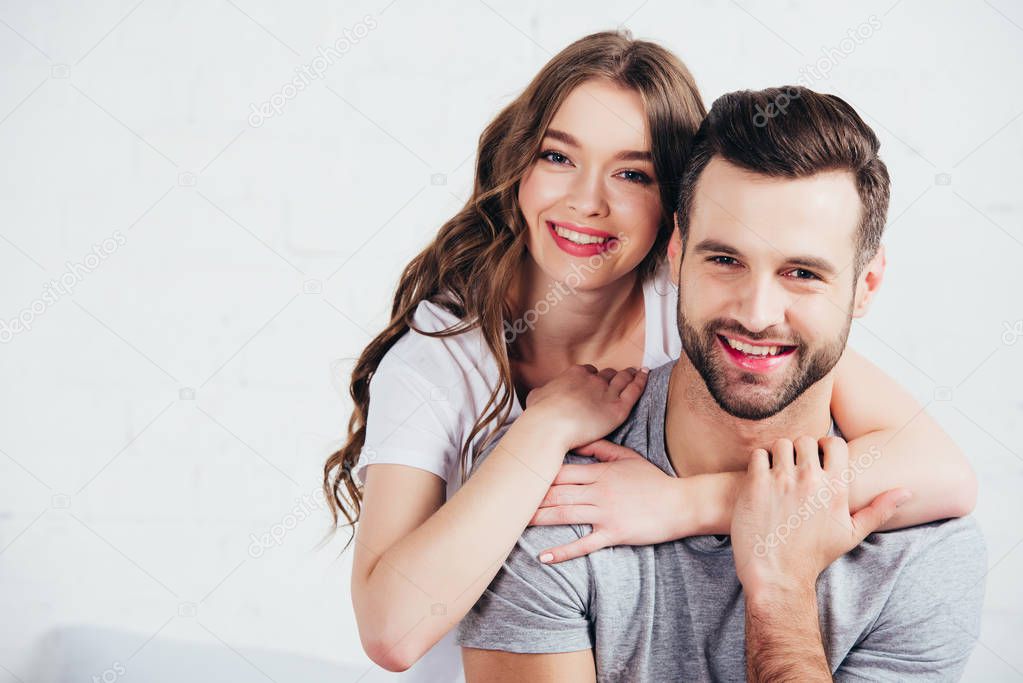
{"type": "Point", "coordinates": [931, 621]}
{"type": "Point", "coordinates": [411, 420]}
{"type": "Point", "coordinates": [531, 607]}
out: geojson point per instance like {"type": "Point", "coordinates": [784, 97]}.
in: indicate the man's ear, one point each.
{"type": "Point", "coordinates": [869, 282]}
{"type": "Point", "coordinates": [675, 251]}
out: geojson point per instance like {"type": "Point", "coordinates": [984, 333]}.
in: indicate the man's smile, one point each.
{"type": "Point", "coordinates": [755, 358]}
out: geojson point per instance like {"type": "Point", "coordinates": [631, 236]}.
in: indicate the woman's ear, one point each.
{"type": "Point", "coordinates": [675, 251]}
{"type": "Point", "coordinates": [869, 282]}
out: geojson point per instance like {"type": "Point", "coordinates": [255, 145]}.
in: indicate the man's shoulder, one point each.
{"type": "Point", "coordinates": [958, 532]}
{"type": "Point", "coordinates": [954, 548]}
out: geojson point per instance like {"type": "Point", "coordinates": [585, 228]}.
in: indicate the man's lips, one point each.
{"type": "Point", "coordinates": [754, 363]}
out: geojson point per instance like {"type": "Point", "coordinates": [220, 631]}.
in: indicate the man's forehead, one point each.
{"type": "Point", "coordinates": [818, 214]}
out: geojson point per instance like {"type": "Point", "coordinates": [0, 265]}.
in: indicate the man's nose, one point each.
{"type": "Point", "coordinates": [587, 195]}
{"type": "Point", "coordinates": [762, 305]}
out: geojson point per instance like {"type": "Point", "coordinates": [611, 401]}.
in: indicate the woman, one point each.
{"type": "Point", "coordinates": [557, 260]}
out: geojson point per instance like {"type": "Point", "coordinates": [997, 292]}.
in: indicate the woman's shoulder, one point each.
{"type": "Point", "coordinates": [460, 366]}
{"type": "Point", "coordinates": [661, 303]}
{"type": "Point", "coordinates": [419, 345]}
{"type": "Point", "coordinates": [453, 376]}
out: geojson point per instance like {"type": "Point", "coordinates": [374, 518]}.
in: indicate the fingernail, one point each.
{"type": "Point", "coordinates": [546, 557]}
{"type": "Point", "coordinates": [644, 370]}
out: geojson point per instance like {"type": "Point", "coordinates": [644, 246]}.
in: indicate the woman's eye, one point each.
{"type": "Point", "coordinates": [554, 157]}
{"type": "Point", "coordinates": [635, 177]}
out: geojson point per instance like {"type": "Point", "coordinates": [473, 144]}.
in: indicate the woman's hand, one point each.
{"type": "Point", "coordinates": [581, 404]}
{"type": "Point", "coordinates": [627, 499]}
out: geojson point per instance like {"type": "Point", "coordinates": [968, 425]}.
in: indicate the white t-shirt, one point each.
{"type": "Point", "coordinates": [428, 392]}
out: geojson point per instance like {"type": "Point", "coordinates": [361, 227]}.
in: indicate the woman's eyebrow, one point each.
{"type": "Point", "coordinates": [624, 155]}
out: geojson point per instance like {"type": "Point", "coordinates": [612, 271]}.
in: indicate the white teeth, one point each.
{"type": "Point", "coordinates": [751, 350]}
{"type": "Point", "coordinates": [578, 237]}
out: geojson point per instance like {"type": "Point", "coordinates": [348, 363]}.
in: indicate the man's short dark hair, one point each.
{"type": "Point", "coordinates": [792, 132]}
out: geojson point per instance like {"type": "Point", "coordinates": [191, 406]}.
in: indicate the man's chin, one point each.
{"type": "Point", "coordinates": [748, 402]}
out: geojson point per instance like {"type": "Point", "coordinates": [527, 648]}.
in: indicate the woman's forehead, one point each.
{"type": "Point", "coordinates": [601, 114]}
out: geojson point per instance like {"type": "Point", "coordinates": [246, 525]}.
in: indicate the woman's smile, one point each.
{"type": "Point", "coordinates": [577, 240]}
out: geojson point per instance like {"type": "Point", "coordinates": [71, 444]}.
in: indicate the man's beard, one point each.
{"type": "Point", "coordinates": [753, 396]}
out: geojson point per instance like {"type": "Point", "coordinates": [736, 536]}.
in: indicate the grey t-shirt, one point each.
{"type": "Point", "coordinates": [903, 605]}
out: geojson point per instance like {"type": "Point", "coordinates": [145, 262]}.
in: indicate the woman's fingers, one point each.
{"type": "Point", "coordinates": [621, 380]}
{"type": "Point", "coordinates": [565, 514]}
{"type": "Point", "coordinates": [607, 374]}
{"type": "Point", "coordinates": [634, 389]}
{"type": "Point", "coordinates": [606, 451]}
{"type": "Point", "coordinates": [570, 551]}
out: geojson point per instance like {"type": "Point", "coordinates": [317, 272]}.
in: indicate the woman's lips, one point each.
{"type": "Point", "coordinates": [752, 363]}
{"type": "Point", "coordinates": [573, 249]}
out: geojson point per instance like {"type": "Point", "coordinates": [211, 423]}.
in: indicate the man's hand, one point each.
{"type": "Point", "coordinates": [791, 521]}
{"type": "Point", "coordinates": [792, 516]}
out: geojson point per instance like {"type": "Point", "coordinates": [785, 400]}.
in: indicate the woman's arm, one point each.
{"type": "Point", "coordinates": [892, 443]}
{"type": "Point", "coordinates": [420, 563]}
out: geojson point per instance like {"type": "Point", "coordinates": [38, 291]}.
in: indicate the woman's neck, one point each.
{"type": "Point", "coordinates": [566, 326]}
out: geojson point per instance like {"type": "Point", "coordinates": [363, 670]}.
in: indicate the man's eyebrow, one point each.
{"type": "Point", "coordinates": [624, 155]}
{"type": "Point", "coordinates": [815, 263]}
{"type": "Point", "coordinates": [820, 265]}
{"type": "Point", "coordinates": [709, 245]}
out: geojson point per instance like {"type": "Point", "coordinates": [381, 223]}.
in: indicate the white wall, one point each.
{"type": "Point", "coordinates": [185, 395]}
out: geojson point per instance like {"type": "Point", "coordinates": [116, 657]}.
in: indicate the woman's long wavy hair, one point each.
{"type": "Point", "coordinates": [476, 256]}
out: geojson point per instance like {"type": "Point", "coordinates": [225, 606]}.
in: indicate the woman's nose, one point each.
{"type": "Point", "coordinates": [587, 196]}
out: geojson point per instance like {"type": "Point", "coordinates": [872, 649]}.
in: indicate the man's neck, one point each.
{"type": "Point", "coordinates": [701, 438]}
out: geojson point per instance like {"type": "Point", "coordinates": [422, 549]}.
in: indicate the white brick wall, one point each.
{"type": "Point", "coordinates": [185, 395]}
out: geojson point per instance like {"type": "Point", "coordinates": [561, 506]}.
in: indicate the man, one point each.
{"type": "Point", "coordinates": [777, 249]}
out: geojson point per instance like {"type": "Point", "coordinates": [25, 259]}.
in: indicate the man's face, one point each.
{"type": "Point", "coordinates": [767, 287]}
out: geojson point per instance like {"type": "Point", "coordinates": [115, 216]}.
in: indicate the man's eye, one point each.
{"type": "Point", "coordinates": [554, 157]}
{"type": "Point", "coordinates": [723, 260]}
{"type": "Point", "coordinates": [803, 274]}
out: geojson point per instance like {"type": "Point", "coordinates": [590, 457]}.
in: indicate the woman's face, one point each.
{"type": "Point", "coordinates": [591, 198]}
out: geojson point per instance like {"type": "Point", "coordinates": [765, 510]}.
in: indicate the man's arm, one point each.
{"type": "Point", "coordinates": [509, 667]}
{"type": "Point", "coordinates": [783, 637]}
{"type": "Point", "coordinates": [791, 521]}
